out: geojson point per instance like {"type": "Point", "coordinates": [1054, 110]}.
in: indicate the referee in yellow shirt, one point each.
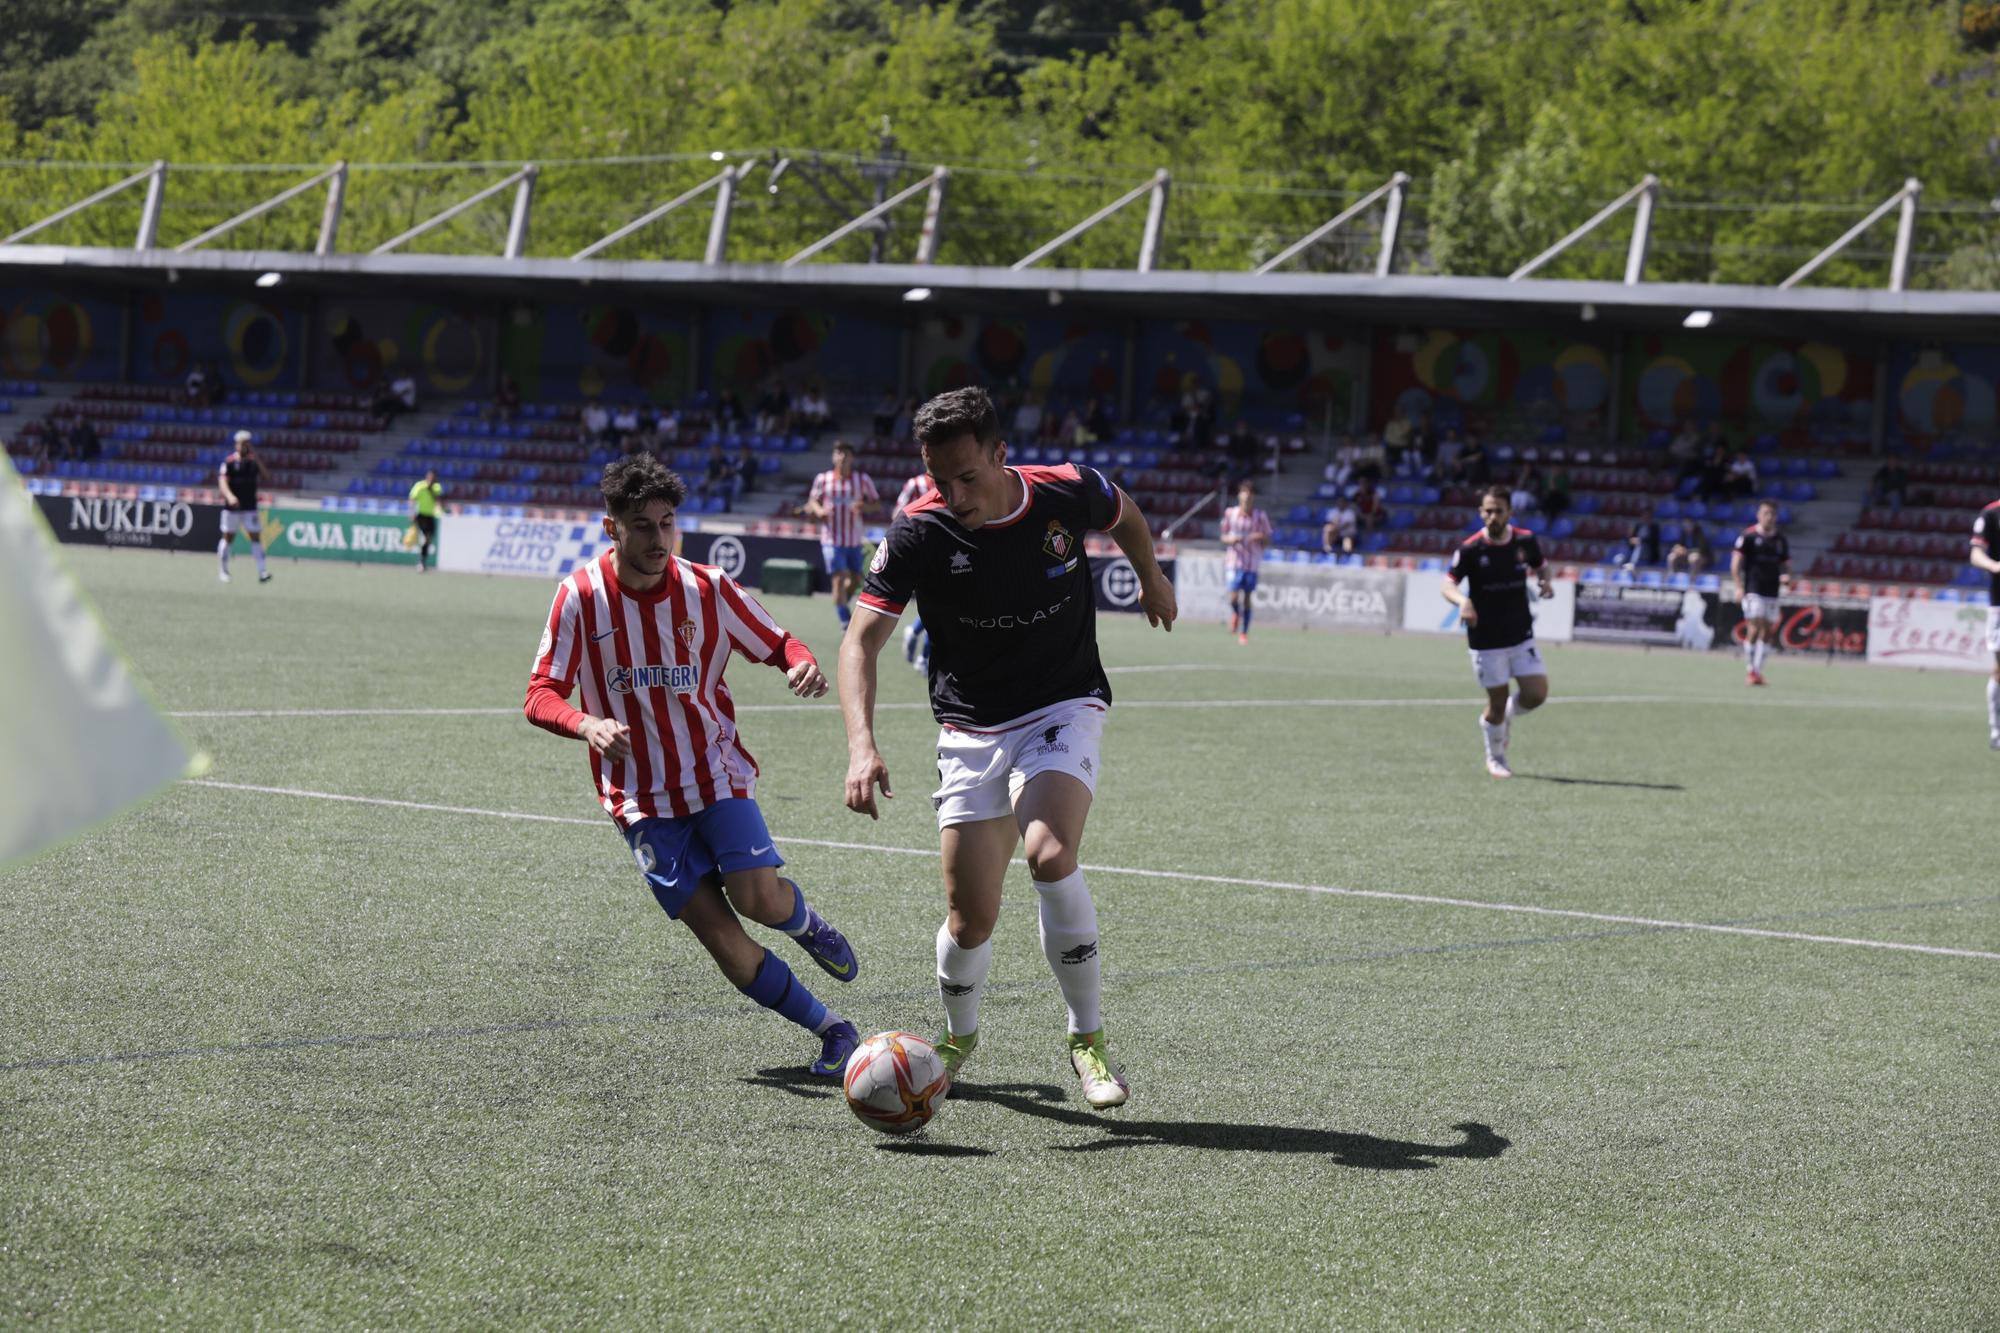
{"type": "Point", "coordinates": [426, 503]}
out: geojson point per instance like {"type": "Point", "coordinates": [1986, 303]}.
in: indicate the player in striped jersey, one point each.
{"type": "Point", "coordinates": [837, 498]}
{"type": "Point", "coordinates": [916, 643]}
{"type": "Point", "coordinates": [646, 636]}
{"type": "Point", "coordinates": [1246, 530]}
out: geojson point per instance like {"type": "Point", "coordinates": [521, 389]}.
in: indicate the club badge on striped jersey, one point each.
{"type": "Point", "coordinates": [687, 632]}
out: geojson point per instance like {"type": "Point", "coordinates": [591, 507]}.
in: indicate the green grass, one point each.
{"type": "Point", "coordinates": [340, 1064]}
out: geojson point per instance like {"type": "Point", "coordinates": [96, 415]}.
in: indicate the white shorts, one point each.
{"type": "Point", "coordinates": [1756, 607]}
{"type": "Point", "coordinates": [981, 772]}
{"type": "Point", "coordinates": [1496, 666]}
{"type": "Point", "coordinates": [1993, 628]}
{"type": "Point", "coordinates": [244, 519]}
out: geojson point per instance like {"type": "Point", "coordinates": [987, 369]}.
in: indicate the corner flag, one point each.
{"type": "Point", "coordinates": [78, 741]}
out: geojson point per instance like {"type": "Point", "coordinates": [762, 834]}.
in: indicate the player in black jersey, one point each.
{"type": "Point", "coordinates": [1488, 582]}
{"type": "Point", "coordinates": [995, 558]}
{"type": "Point", "coordinates": [1985, 544]}
{"type": "Point", "coordinates": [1762, 568]}
{"type": "Point", "coordinates": [241, 473]}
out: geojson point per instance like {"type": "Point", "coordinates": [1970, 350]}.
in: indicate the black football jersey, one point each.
{"type": "Point", "coordinates": [1764, 559]}
{"type": "Point", "coordinates": [1495, 576]}
{"type": "Point", "coordinates": [243, 474]}
{"type": "Point", "coordinates": [1986, 536]}
{"type": "Point", "coordinates": [1010, 607]}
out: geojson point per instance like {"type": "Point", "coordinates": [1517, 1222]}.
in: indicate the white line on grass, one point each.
{"type": "Point", "coordinates": [1444, 701]}
{"type": "Point", "coordinates": [1380, 895]}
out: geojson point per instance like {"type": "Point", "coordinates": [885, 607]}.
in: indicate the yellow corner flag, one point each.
{"type": "Point", "coordinates": [78, 741]}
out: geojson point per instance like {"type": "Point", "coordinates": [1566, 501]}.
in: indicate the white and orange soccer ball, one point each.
{"type": "Point", "coordinates": [895, 1082]}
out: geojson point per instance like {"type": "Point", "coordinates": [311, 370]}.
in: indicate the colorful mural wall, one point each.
{"type": "Point", "coordinates": [562, 352]}
{"type": "Point", "coordinates": [254, 343]}
{"type": "Point", "coordinates": [1940, 393]}
{"type": "Point", "coordinates": [1820, 391]}
{"type": "Point", "coordinates": [1067, 362]}
{"type": "Point", "coordinates": [1447, 372]}
{"type": "Point", "coordinates": [449, 349]}
{"type": "Point", "coordinates": [47, 336]}
{"type": "Point", "coordinates": [852, 356]}
{"type": "Point", "coordinates": [1272, 374]}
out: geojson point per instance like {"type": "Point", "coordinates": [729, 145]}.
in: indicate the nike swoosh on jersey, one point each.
{"type": "Point", "coordinates": [599, 638]}
{"type": "Point", "coordinates": [759, 851]}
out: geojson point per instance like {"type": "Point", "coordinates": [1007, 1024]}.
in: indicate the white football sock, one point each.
{"type": "Point", "coordinates": [1069, 942]}
{"type": "Point", "coordinates": [1512, 711]}
{"type": "Point", "coordinates": [1993, 706]}
{"type": "Point", "coordinates": [1496, 737]}
{"type": "Point", "coordinates": [222, 553]}
{"type": "Point", "coordinates": [1757, 652]}
{"type": "Point", "coordinates": [961, 975]}
{"type": "Point", "coordinates": [258, 551]}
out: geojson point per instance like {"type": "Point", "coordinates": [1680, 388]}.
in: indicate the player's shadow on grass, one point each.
{"type": "Point", "coordinates": [1356, 1150]}
{"type": "Point", "coordinates": [1596, 782]}
{"type": "Point", "coordinates": [795, 1080]}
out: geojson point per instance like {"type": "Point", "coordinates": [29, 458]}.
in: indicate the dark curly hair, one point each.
{"type": "Point", "coordinates": [630, 484]}
{"type": "Point", "coordinates": [961, 412]}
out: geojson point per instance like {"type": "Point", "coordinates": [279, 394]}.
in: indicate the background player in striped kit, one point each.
{"type": "Point", "coordinates": [916, 643]}
{"type": "Point", "coordinates": [1246, 531]}
{"type": "Point", "coordinates": [647, 635]}
{"type": "Point", "coordinates": [1985, 541]}
{"type": "Point", "coordinates": [837, 499]}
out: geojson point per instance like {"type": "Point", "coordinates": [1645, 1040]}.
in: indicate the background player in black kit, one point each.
{"type": "Point", "coordinates": [1488, 582]}
{"type": "Point", "coordinates": [1762, 568]}
{"type": "Point", "coordinates": [1985, 544]}
{"type": "Point", "coordinates": [995, 559]}
{"type": "Point", "coordinates": [241, 473]}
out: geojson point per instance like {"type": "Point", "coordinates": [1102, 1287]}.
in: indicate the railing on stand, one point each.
{"type": "Point", "coordinates": [1214, 497]}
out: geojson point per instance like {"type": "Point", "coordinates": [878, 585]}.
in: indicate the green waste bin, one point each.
{"type": "Point", "coordinates": [786, 577]}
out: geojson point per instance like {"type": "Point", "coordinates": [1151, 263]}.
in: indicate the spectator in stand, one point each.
{"type": "Point", "coordinates": [729, 414]}
{"type": "Point", "coordinates": [1685, 452]}
{"type": "Point", "coordinates": [1692, 553]}
{"type": "Point", "coordinates": [1528, 489]}
{"type": "Point", "coordinates": [885, 416]}
{"type": "Point", "coordinates": [1201, 419]}
{"type": "Point", "coordinates": [1714, 483]}
{"type": "Point", "coordinates": [718, 475]}
{"type": "Point", "coordinates": [666, 427]}
{"type": "Point", "coordinates": [1073, 434]}
{"type": "Point", "coordinates": [215, 386]}
{"type": "Point", "coordinates": [1643, 546]}
{"type": "Point", "coordinates": [1028, 418]}
{"type": "Point", "coordinates": [405, 389]}
{"type": "Point", "coordinates": [1337, 537]}
{"type": "Point", "coordinates": [1742, 476]}
{"type": "Point", "coordinates": [1243, 450]}
{"type": "Point", "coordinates": [1448, 449]}
{"type": "Point", "coordinates": [1369, 511]}
{"type": "Point", "coordinates": [1556, 500]}
{"type": "Point", "coordinates": [506, 400]}
{"type": "Point", "coordinates": [746, 473]}
{"type": "Point", "coordinates": [194, 389]}
{"type": "Point", "coordinates": [1346, 455]}
{"type": "Point", "coordinates": [774, 411]}
{"type": "Point", "coordinates": [625, 428]}
{"type": "Point", "coordinates": [1890, 485]}
{"type": "Point", "coordinates": [1475, 467]}
{"type": "Point", "coordinates": [905, 420]}
{"type": "Point", "coordinates": [83, 443]}
{"type": "Point", "coordinates": [1418, 449]}
{"type": "Point", "coordinates": [597, 424]}
{"type": "Point", "coordinates": [811, 412]}
{"type": "Point", "coordinates": [1097, 419]}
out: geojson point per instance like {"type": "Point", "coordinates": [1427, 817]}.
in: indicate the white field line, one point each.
{"type": "Point", "coordinates": [1380, 895]}
{"type": "Point", "coordinates": [1444, 701]}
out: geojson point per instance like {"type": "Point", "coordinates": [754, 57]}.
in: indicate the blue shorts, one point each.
{"type": "Point", "coordinates": [1243, 580]}
{"type": "Point", "coordinates": [841, 559]}
{"type": "Point", "coordinates": [676, 855]}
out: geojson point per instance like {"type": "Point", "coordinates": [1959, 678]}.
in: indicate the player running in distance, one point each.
{"type": "Point", "coordinates": [1488, 582]}
{"type": "Point", "coordinates": [1986, 541]}
{"type": "Point", "coordinates": [239, 478]}
{"type": "Point", "coordinates": [996, 561]}
{"type": "Point", "coordinates": [647, 635]}
{"type": "Point", "coordinates": [1762, 568]}
{"type": "Point", "coordinates": [1246, 531]}
{"type": "Point", "coordinates": [836, 499]}
{"type": "Point", "coordinates": [916, 643]}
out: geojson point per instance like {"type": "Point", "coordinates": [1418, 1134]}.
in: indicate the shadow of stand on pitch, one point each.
{"type": "Point", "coordinates": [1364, 1151]}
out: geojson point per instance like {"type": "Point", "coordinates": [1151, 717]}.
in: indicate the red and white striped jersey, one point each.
{"type": "Point", "coordinates": [1253, 533]}
{"type": "Point", "coordinates": [843, 499]}
{"type": "Point", "coordinates": [653, 660]}
{"type": "Point", "coordinates": [915, 489]}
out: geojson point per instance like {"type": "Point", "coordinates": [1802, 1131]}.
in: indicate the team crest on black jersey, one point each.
{"type": "Point", "coordinates": [881, 560]}
{"type": "Point", "coordinates": [1059, 543]}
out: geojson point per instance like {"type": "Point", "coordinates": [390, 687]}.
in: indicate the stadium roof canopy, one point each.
{"type": "Point", "coordinates": [1396, 299]}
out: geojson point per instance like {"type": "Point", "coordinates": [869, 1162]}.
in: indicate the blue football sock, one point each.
{"type": "Point", "coordinates": [796, 922]}
{"type": "Point", "coordinates": [844, 614]}
{"type": "Point", "coordinates": [777, 989]}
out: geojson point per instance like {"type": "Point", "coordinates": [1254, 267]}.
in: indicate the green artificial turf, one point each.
{"type": "Point", "coordinates": [285, 1061]}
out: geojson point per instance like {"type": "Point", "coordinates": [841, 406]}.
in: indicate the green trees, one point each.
{"type": "Point", "coordinates": [1772, 127]}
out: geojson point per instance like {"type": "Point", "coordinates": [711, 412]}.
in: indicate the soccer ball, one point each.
{"type": "Point", "coordinates": [895, 1082]}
